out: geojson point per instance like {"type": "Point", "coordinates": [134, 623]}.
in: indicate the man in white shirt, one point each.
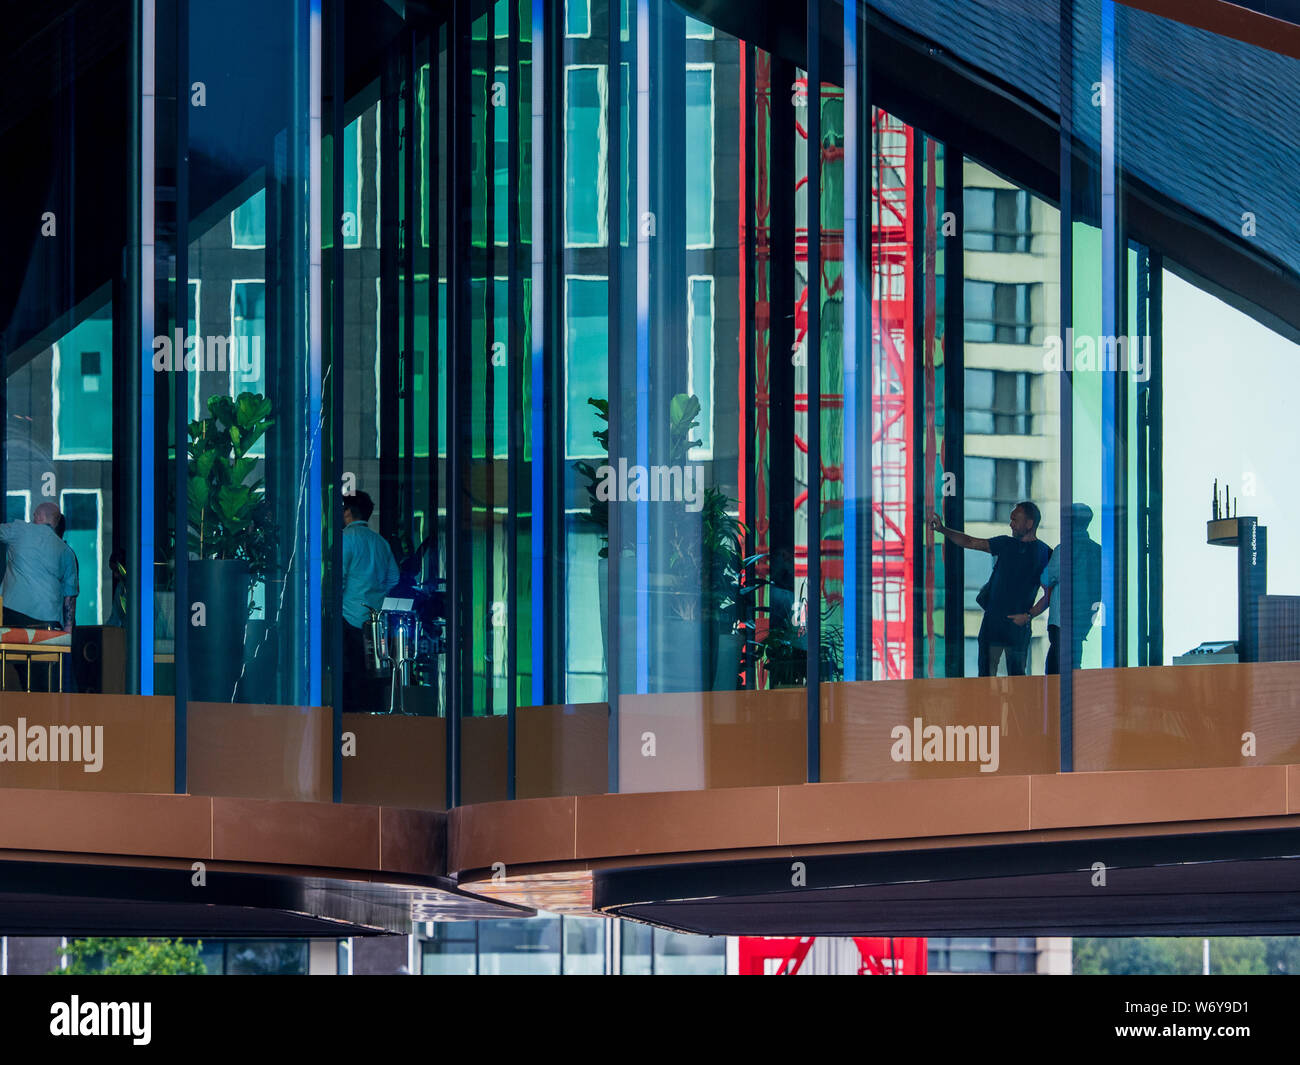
{"type": "Point", "coordinates": [369, 572]}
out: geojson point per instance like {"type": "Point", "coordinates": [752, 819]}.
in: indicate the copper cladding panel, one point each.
{"type": "Point", "coordinates": [697, 740]}
{"type": "Point", "coordinates": [396, 761]}
{"type": "Point", "coordinates": [858, 718]}
{"type": "Point", "coordinates": [830, 813]}
{"type": "Point", "coordinates": [78, 822]}
{"type": "Point", "coordinates": [305, 833]}
{"type": "Point", "coordinates": [1180, 717]}
{"type": "Point", "coordinates": [137, 738]}
{"type": "Point", "coordinates": [1069, 799]}
{"type": "Point", "coordinates": [1228, 20]}
{"type": "Point", "coordinates": [483, 768]}
{"type": "Point", "coordinates": [561, 750]}
{"type": "Point", "coordinates": [262, 752]}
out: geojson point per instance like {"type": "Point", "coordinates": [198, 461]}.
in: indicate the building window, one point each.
{"type": "Point", "coordinates": [586, 149]}
{"type": "Point", "coordinates": [998, 220]}
{"type": "Point", "coordinates": [989, 955]}
{"type": "Point", "coordinates": [699, 338]}
{"type": "Point", "coordinates": [699, 155]}
{"type": "Point", "coordinates": [82, 368]}
{"type": "Point", "coordinates": [994, 486]}
{"type": "Point", "coordinates": [82, 513]}
{"type": "Point", "coordinates": [586, 368]}
{"type": "Point", "coordinates": [263, 957]}
{"type": "Point", "coordinates": [699, 31]}
{"type": "Point", "coordinates": [248, 222]}
{"type": "Point", "coordinates": [997, 403]}
{"type": "Point", "coordinates": [452, 950]}
{"type": "Point", "coordinates": [246, 357]}
{"type": "Point", "coordinates": [577, 18]}
{"type": "Point", "coordinates": [998, 313]}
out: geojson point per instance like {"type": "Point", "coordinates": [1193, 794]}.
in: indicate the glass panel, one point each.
{"type": "Point", "coordinates": [940, 432]}
{"type": "Point", "coordinates": [706, 476]}
{"type": "Point", "coordinates": [71, 396]}
{"type": "Point", "coordinates": [253, 642]}
{"type": "Point", "coordinates": [1184, 629]}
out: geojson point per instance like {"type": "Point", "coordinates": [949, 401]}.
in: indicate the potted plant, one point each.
{"type": "Point", "coordinates": [784, 653]}
{"type": "Point", "coordinates": [232, 538]}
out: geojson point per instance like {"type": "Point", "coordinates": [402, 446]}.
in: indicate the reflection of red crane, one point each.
{"type": "Point", "coordinates": [880, 955]}
{"type": "Point", "coordinates": [892, 446]}
{"type": "Point", "coordinates": [892, 263]}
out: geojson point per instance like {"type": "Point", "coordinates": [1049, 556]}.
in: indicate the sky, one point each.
{"type": "Point", "coordinates": [1231, 408]}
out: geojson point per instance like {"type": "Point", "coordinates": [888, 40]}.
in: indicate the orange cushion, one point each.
{"type": "Point", "coordinates": [48, 637]}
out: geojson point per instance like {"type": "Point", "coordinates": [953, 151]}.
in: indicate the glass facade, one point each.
{"type": "Point", "coordinates": [553, 945]}
{"type": "Point", "coordinates": [739, 405]}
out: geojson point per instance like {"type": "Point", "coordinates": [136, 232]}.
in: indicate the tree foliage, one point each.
{"type": "Point", "coordinates": [1159, 956]}
{"type": "Point", "coordinates": [125, 956]}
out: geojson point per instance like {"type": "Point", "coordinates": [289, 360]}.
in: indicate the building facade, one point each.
{"type": "Point", "coordinates": [697, 359]}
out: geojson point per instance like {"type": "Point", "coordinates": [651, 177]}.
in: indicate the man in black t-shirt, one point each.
{"type": "Point", "coordinates": [1018, 561]}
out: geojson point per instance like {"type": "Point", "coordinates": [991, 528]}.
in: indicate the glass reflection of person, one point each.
{"type": "Point", "coordinates": [1018, 561]}
{"type": "Point", "coordinates": [1085, 566]}
{"type": "Point", "coordinates": [369, 572]}
{"type": "Point", "coordinates": [40, 583]}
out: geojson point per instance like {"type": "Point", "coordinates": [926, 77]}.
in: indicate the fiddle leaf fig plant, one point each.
{"type": "Point", "coordinates": [229, 514]}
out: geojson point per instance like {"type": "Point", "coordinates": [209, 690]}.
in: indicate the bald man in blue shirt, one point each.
{"type": "Point", "coordinates": [40, 585]}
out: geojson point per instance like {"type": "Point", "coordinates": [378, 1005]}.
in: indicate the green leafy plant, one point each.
{"type": "Point", "coordinates": [229, 514]}
{"type": "Point", "coordinates": [124, 956]}
{"type": "Point", "coordinates": [703, 557]}
{"type": "Point", "coordinates": [598, 510]}
{"type": "Point", "coordinates": [783, 651]}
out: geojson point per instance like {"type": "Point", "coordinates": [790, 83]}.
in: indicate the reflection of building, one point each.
{"type": "Point", "coordinates": [1011, 288]}
{"type": "Point", "coordinates": [449, 229]}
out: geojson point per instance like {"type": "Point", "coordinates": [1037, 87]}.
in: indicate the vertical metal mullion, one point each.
{"type": "Point", "coordinates": [139, 401]}
{"type": "Point", "coordinates": [748, 249]}
{"type": "Point", "coordinates": [857, 368]}
{"type": "Point", "coordinates": [554, 477]}
{"type": "Point", "coordinates": [954, 387]}
{"type": "Point", "coordinates": [1066, 587]}
{"type": "Point", "coordinates": [433, 116]}
{"type": "Point", "coordinates": [388, 400]}
{"type": "Point", "coordinates": [918, 193]}
{"type": "Point", "coordinates": [1154, 458]}
{"type": "Point", "coordinates": [410, 236]}
{"type": "Point", "coordinates": [488, 481]}
{"type": "Point", "coordinates": [458, 333]}
{"type": "Point", "coordinates": [514, 391]}
{"type": "Point", "coordinates": [1142, 298]}
{"type": "Point", "coordinates": [539, 502]}
{"type": "Point", "coordinates": [814, 350]}
{"type": "Point", "coordinates": [180, 399]}
{"type": "Point", "coordinates": [615, 424]}
{"type": "Point", "coordinates": [336, 302]}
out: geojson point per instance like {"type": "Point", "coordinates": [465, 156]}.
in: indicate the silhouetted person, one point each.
{"type": "Point", "coordinates": [1085, 570]}
{"type": "Point", "coordinates": [1019, 560]}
